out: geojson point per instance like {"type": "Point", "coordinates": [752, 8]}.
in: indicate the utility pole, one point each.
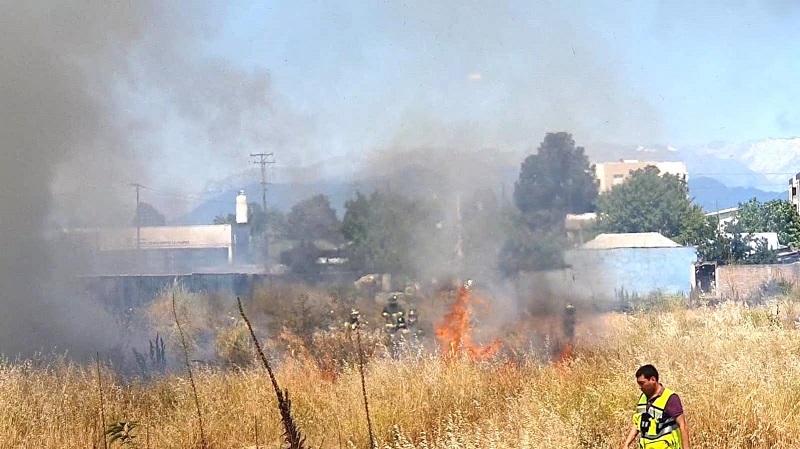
{"type": "Point", "coordinates": [138, 217]}
{"type": "Point", "coordinates": [263, 161]}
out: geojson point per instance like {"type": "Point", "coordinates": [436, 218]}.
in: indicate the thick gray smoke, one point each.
{"type": "Point", "coordinates": [484, 82]}
{"type": "Point", "coordinates": [87, 90]}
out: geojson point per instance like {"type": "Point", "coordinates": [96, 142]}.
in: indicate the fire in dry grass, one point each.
{"type": "Point", "coordinates": [454, 332]}
{"type": "Point", "coordinates": [565, 353]}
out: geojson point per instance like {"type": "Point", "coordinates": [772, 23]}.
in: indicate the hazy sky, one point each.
{"type": "Point", "coordinates": [672, 72]}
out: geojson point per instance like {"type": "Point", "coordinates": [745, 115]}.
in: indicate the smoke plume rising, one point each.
{"type": "Point", "coordinates": [481, 84]}
{"type": "Point", "coordinates": [97, 95]}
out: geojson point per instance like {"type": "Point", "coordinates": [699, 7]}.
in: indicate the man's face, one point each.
{"type": "Point", "coordinates": [648, 386]}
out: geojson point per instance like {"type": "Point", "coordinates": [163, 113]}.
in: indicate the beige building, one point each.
{"type": "Point", "coordinates": [613, 173]}
{"type": "Point", "coordinates": [157, 249]}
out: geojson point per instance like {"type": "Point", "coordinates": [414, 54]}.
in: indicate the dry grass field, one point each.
{"type": "Point", "coordinates": [735, 366]}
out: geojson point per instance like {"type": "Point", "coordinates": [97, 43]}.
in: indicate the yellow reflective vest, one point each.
{"type": "Point", "coordinates": [657, 431]}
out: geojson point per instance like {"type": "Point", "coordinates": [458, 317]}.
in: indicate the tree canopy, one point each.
{"type": "Point", "coordinates": [314, 219]}
{"type": "Point", "coordinates": [557, 180]}
{"type": "Point", "coordinates": [778, 216]}
{"type": "Point", "coordinates": [649, 201]}
{"type": "Point", "coordinates": [382, 232]}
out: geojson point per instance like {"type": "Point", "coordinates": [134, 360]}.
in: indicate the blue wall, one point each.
{"type": "Point", "coordinates": [636, 270]}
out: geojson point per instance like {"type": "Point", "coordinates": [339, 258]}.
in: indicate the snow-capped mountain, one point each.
{"type": "Point", "coordinates": [776, 159]}
{"type": "Point", "coordinates": [763, 164]}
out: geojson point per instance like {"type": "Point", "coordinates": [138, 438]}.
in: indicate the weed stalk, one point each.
{"type": "Point", "coordinates": [102, 405]}
{"type": "Point", "coordinates": [292, 434]}
{"type": "Point", "coordinates": [364, 388]}
{"type": "Point", "coordinates": [191, 377]}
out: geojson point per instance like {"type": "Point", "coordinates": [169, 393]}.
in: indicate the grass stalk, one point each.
{"type": "Point", "coordinates": [292, 433]}
{"type": "Point", "coordinates": [191, 376]}
{"type": "Point", "coordinates": [364, 388]}
{"type": "Point", "coordinates": [102, 405]}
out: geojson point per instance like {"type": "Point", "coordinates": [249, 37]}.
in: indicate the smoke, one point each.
{"type": "Point", "coordinates": [98, 95]}
{"type": "Point", "coordinates": [479, 84]}
{"type": "Point", "coordinates": [502, 77]}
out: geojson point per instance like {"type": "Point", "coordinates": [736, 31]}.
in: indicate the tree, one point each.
{"type": "Point", "coordinates": [556, 181]}
{"type": "Point", "coordinates": [778, 216]}
{"type": "Point", "coordinates": [385, 232]}
{"type": "Point", "coordinates": [314, 219]}
{"type": "Point", "coordinates": [651, 202]}
{"type": "Point", "coordinates": [531, 250]}
{"type": "Point", "coordinates": [302, 258]}
{"type": "Point", "coordinates": [147, 215]}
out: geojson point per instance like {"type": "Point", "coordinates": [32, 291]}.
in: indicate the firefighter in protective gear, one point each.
{"type": "Point", "coordinates": [394, 315]}
{"type": "Point", "coordinates": [569, 323]}
{"type": "Point", "coordinates": [659, 420]}
{"type": "Point", "coordinates": [411, 322]}
{"type": "Point", "coordinates": [355, 320]}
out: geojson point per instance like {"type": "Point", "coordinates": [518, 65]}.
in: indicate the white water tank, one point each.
{"type": "Point", "coordinates": [241, 208]}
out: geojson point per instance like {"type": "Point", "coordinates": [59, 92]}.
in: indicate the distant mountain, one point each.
{"type": "Point", "coordinates": [420, 172]}
{"type": "Point", "coordinates": [720, 174]}
{"type": "Point", "coordinates": [776, 160]}
{"type": "Point", "coordinates": [280, 196]}
{"type": "Point", "coordinates": [718, 161]}
{"type": "Point", "coordinates": [713, 195]}
{"type": "Point", "coordinates": [766, 164]}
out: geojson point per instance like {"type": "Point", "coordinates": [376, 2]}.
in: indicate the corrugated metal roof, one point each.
{"type": "Point", "coordinates": [630, 240]}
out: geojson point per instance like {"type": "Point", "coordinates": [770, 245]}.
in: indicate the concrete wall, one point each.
{"type": "Point", "coordinates": [159, 237]}
{"type": "Point", "coordinates": [599, 274]}
{"type": "Point", "coordinates": [741, 281]}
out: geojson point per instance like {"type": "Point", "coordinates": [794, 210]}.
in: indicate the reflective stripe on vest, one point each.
{"type": "Point", "coordinates": [652, 423]}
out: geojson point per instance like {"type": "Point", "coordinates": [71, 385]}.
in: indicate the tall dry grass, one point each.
{"type": "Point", "coordinates": [735, 367]}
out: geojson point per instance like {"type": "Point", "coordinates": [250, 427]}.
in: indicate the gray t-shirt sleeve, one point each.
{"type": "Point", "coordinates": [674, 407]}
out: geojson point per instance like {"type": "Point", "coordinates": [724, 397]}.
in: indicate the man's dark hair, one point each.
{"type": "Point", "coordinates": [647, 371]}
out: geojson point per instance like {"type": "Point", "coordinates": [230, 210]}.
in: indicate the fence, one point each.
{"type": "Point", "coordinates": [742, 281]}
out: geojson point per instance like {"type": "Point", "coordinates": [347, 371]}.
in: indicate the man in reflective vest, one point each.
{"type": "Point", "coordinates": [659, 420]}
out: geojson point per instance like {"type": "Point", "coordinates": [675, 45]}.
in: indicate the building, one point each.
{"type": "Point", "coordinates": [156, 249]}
{"type": "Point", "coordinates": [165, 250]}
{"type": "Point", "coordinates": [610, 174]}
{"type": "Point", "coordinates": [616, 266]}
{"type": "Point", "coordinates": [794, 191]}
{"type": "Point", "coordinates": [578, 225]}
{"type": "Point", "coordinates": [724, 217]}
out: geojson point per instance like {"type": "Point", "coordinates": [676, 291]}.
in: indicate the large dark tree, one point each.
{"type": "Point", "coordinates": [313, 219]}
{"type": "Point", "coordinates": [383, 232]}
{"type": "Point", "coordinates": [556, 181]}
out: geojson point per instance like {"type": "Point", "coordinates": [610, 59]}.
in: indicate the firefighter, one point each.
{"type": "Point", "coordinates": [355, 320]}
{"type": "Point", "coordinates": [412, 319]}
{"type": "Point", "coordinates": [569, 323]}
{"type": "Point", "coordinates": [394, 314]}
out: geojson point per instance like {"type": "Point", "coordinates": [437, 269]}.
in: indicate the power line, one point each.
{"type": "Point", "coordinates": [263, 161]}
{"type": "Point", "coordinates": [742, 174]}
{"type": "Point", "coordinates": [138, 217]}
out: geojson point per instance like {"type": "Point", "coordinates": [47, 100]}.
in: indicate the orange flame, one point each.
{"type": "Point", "coordinates": [565, 353]}
{"type": "Point", "coordinates": [454, 331]}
